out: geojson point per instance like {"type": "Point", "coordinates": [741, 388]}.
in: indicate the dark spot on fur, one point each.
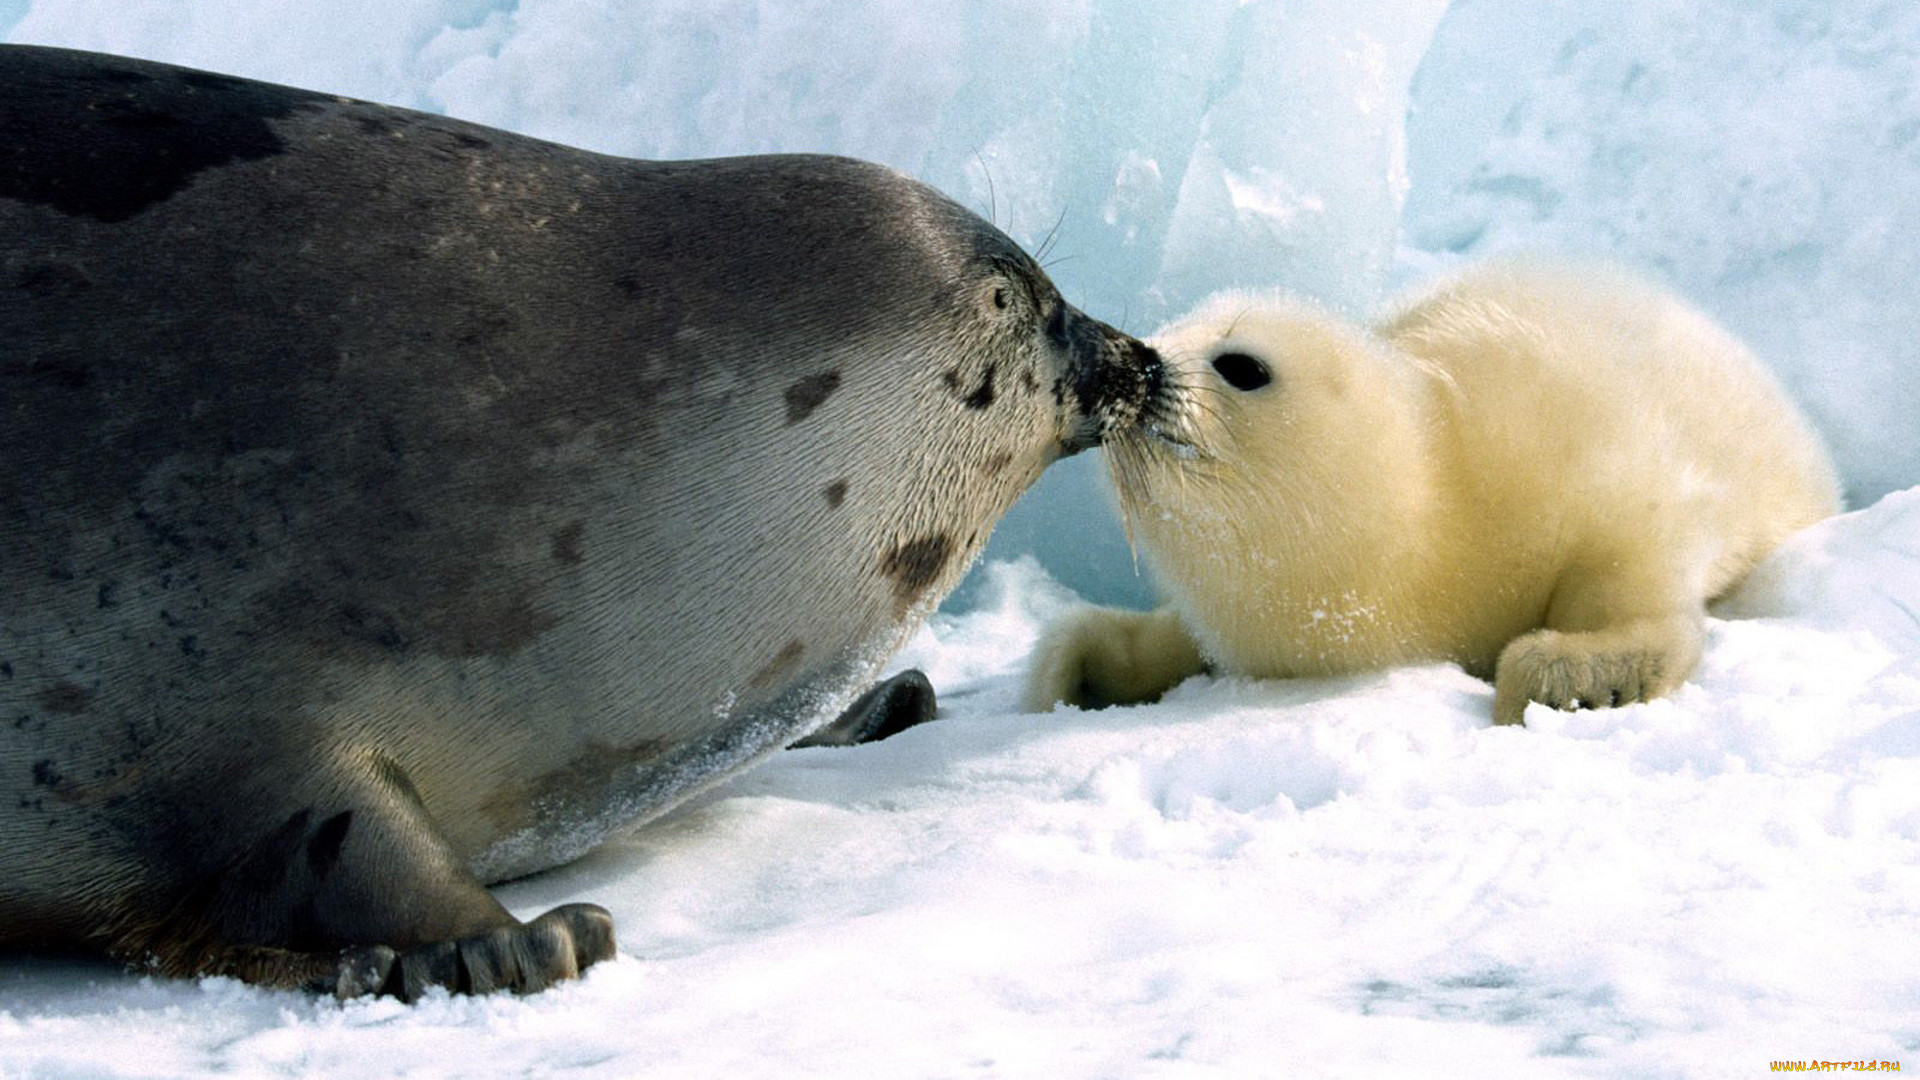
{"type": "Point", "coordinates": [485, 327]}
{"type": "Point", "coordinates": [499, 628]}
{"type": "Point", "coordinates": [982, 395]}
{"type": "Point", "coordinates": [44, 280]}
{"type": "Point", "coordinates": [372, 628]}
{"type": "Point", "coordinates": [323, 847]}
{"type": "Point", "coordinates": [836, 493]}
{"type": "Point", "coordinates": [109, 153]}
{"type": "Point", "coordinates": [776, 670]}
{"type": "Point", "coordinates": [104, 597]}
{"type": "Point", "coordinates": [915, 565]}
{"type": "Point", "coordinates": [45, 775]}
{"type": "Point", "coordinates": [190, 646]}
{"type": "Point", "coordinates": [566, 544]}
{"type": "Point", "coordinates": [471, 142]}
{"type": "Point", "coordinates": [997, 464]}
{"type": "Point", "coordinates": [1029, 383]}
{"type": "Point", "coordinates": [66, 698]}
{"type": "Point", "coordinates": [951, 379]}
{"type": "Point", "coordinates": [6, 671]}
{"type": "Point", "coordinates": [806, 395]}
{"type": "Point", "coordinates": [161, 533]}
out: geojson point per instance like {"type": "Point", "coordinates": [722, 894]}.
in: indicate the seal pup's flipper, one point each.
{"type": "Point", "coordinates": [359, 893]}
{"type": "Point", "coordinates": [1599, 669]}
{"type": "Point", "coordinates": [1622, 627]}
{"type": "Point", "coordinates": [885, 710]}
{"type": "Point", "coordinates": [1100, 656]}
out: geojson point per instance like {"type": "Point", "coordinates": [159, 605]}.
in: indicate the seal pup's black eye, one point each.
{"type": "Point", "coordinates": [1241, 371]}
{"type": "Point", "coordinates": [1000, 298]}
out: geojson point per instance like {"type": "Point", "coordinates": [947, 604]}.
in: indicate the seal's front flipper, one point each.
{"type": "Point", "coordinates": [360, 894]}
{"type": "Point", "coordinates": [885, 710]}
{"type": "Point", "coordinates": [1599, 669]}
{"type": "Point", "coordinates": [523, 957]}
{"type": "Point", "coordinates": [1621, 627]}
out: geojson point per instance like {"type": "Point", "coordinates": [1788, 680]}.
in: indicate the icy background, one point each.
{"type": "Point", "coordinates": [1763, 157]}
{"type": "Point", "coordinates": [1351, 878]}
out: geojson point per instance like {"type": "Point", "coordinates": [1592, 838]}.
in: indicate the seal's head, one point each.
{"type": "Point", "coordinates": [896, 292]}
{"type": "Point", "coordinates": [1270, 405]}
{"type": "Point", "coordinates": [1020, 337]}
{"type": "Point", "coordinates": [1096, 380]}
{"type": "Point", "coordinates": [878, 374]}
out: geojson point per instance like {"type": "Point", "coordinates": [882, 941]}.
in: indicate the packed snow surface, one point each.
{"type": "Point", "coordinates": [1343, 878]}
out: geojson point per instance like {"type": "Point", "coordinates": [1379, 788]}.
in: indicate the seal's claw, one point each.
{"type": "Point", "coordinates": [437, 964]}
{"type": "Point", "coordinates": [525, 958]}
{"type": "Point", "coordinates": [363, 971]}
{"type": "Point", "coordinates": [590, 928]}
{"type": "Point", "coordinates": [491, 961]}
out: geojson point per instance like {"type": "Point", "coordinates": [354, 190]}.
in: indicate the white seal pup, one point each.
{"type": "Point", "coordinates": [391, 505]}
{"type": "Point", "coordinates": [1542, 472]}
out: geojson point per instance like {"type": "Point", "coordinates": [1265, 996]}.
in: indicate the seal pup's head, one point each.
{"type": "Point", "coordinates": [1276, 413]}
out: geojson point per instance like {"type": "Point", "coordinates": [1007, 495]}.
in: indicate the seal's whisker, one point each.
{"type": "Point", "coordinates": [1053, 234]}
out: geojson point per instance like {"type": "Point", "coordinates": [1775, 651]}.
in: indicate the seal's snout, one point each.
{"type": "Point", "coordinates": [1116, 380]}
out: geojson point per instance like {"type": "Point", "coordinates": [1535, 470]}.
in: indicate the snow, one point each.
{"type": "Point", "coordinates": [1353, 877]}
{"type": "Point", "coordinates": [1318, 878]}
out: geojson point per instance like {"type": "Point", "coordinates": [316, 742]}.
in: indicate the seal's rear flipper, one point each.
{"type": "Point", "coordinates": [887, 709]}
{"type": "Point", "coordinates": [360, 894]}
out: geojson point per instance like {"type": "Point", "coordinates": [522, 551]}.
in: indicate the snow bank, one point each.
{"type": "Point", "coordinates": [1332, 878]}
{"type": "Point", "coordinates": [1764, 157]}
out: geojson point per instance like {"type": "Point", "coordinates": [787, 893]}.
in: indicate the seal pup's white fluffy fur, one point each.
{"type": "Point", "coordinates": [1542, 472]}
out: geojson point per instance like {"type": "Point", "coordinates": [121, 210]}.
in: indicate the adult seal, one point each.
{"type": "Point", "coordinates": [392, 505]}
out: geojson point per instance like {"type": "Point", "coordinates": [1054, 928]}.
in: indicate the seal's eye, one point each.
{"type": "Point", "coordinates": [1241, 371]}
{"type": "Point", "coordinates": [1000, 298]}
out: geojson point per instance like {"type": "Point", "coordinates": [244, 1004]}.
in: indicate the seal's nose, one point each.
{"type": "Point", "coordinates": [1114, 376]}
{"type": "Point", "coordinates": [1148, 361]}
